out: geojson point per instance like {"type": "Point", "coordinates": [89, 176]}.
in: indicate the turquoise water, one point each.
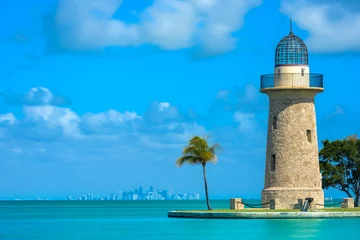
{"type": "Point", "coordinates": [125, 220]}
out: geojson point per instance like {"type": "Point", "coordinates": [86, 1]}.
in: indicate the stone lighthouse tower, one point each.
{"type": "Point", "coordinates": [292, 171]}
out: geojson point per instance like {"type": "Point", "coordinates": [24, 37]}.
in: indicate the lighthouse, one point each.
{"type": "Point", "coordinates": [292, 172]}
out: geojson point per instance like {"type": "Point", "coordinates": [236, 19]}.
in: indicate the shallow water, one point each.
{"type": "Point", "coordinates": [124, 220]}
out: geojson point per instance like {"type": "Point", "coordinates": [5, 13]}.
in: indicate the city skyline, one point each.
{"type": "Point", "coordinates": [98, 95]}
{"type": "Point", "coordinates": [137, 194]}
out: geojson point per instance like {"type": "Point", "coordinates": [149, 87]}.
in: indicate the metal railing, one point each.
{"type": "Point", "coordinates": [311, 80]}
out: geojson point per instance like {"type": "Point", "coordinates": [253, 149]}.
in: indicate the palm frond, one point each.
{"type": "Point", "coordinates": [190, 150]}
{"type": "Point", "coordinates": [187, 159]}
{"type": "Point", "coordinates": [213, 160]}
{"type": "Point", "coordinates": [199, 151]}
{"type": "Point", "coordinates": [215, 148]}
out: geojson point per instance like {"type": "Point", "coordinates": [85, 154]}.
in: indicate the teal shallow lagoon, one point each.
{"type": "Point", "coordinates": [148, 220]}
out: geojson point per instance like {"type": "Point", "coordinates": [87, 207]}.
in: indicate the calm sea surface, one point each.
{"type": "Point", "coordinates": [54, 220]}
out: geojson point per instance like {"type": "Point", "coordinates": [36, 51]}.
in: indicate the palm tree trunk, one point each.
{"type": "Point", "coordinates": [206, 188]}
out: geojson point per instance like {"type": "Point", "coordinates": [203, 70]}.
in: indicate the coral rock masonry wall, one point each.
{"type": "Point", "coordinates": [236, 204]}
{"type": "Point", "coordinates": [348, 203]}
{"type": "Point", "coordinates": [293, 141]}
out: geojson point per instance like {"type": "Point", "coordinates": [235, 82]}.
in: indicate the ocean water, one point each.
{"type": "Point", "coordinates": [131, 220]}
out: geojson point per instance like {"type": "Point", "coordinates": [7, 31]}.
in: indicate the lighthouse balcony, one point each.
{"type": "Point", "coordinates": [292, 81]}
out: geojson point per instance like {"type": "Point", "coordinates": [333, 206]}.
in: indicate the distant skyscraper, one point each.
{"type": "Point", "coordinates": [135, 197]}
{"type": "Point", "coordinates": [113, 196]}
{"type": "Point", "coordinates": [156, 196]}
{"type": "Point", "coordinates": [164, 194]}
{"type": "Point", "coordinates": [89, 196]}
{"type": "Point", "coordinates": [141, 192]}
{"type": "Point", "coordinates": [137, 194]}
{"type": "Point", "coordinates": [119, 195]}
{"type": "Point", "coordinates": [130, 195]}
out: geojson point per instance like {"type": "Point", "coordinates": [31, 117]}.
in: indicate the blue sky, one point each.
{"type": "Point", "coordinates": [101, 95]}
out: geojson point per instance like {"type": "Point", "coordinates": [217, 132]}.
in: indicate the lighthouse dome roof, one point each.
{"type": "Point", "coordinates": [291, 50]}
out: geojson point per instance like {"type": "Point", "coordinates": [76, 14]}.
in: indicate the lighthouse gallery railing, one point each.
{"type": "Point", "coordinates": [314, 80]}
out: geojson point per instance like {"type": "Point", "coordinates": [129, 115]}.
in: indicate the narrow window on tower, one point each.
{"type": "Point", "coordinates": [278, 72]}
{"type": "Point", "coordinates": [308, 134]}
{"type": "Point", "coordinates": [273, 162]}
{"type": "Point", "coordinates": [275, 123]}
{"type": "Point", "coordinates": [302, 72]}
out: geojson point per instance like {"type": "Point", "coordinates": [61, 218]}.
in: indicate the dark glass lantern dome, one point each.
{"type": "Point", "coordinates": [291, 50]}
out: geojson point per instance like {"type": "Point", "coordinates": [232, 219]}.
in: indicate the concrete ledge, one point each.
{"type": "Point", "coordinates": [295, 88]}
{"type": "Point", "coordinates": [261, 215]}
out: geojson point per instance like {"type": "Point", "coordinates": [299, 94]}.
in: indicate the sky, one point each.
{"type": "Point", "coordinates": [102, 95]}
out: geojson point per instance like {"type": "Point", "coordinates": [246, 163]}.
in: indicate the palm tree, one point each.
{"type": "Point", "coordinates": [199, 152]}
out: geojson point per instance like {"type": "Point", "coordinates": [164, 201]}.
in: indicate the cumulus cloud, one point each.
{"type": "Point", "coordinates": [246, 121]}
{"type": "Point", "coordinates": [108, 122]}
{"type": "Point", "coordinates": [36, 96]}
{"type": "Point", "coordinates": [7, 118]}
{"type": "Point", "coordinates": [88, 24]}
{"type": "Point", "coordinates": [39, 95]}
{"type": "Point", "coordinates": [169, 24]}
{"type": "Point", "coordinates": [112, 116]}
{"type": "Point", "coordinates": [172, 136]}
{"type": "Point", "coordinates": [122, 140]}
{"type": "Point", "coordinates": [161, 125]}
{"type": "Point", "coordinates": [245, 99]}
{"type": "Point", "coordinates": [332, 25]}
{"type": "Point", "coordinates": [116, 142]}
{"type": "Point", "coordinates": [54, 117]}
{"type": "Point", "coordinates": [161, 112]}
{"type": "Point", "coordinates": [338, 115]}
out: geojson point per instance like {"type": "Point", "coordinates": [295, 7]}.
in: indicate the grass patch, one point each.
{"type": "Point", "coordinates": [334, 209]}
{"type": "Point", "coordinates": [242, 210]}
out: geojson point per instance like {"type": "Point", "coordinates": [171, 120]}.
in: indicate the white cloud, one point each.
{"type": "Point", "coordinates": [169, 24]}
{"type": "Point", "coordinates": [163, 106]}
{"type": "Point", "coordinates": [332, 26]}
{"type": "Point", "coordinates": [39, 95]}
{"type": "Point", "coordinates": [109, 122]}
{"type": "Point", "coordinates": [220, 19]}
{"type": "Point", "coordinates": [171, 136]}
{"type": "Point", "coordinates": [337, 111]}
{"type": "Point", "coordinates": [118, 143]}
{"type": "Point", "coordinates": [7, 118]}
{"type": "Point", "coordinates": [36, 96]}
{"type": "Point", "coordinates": [51, 133]}
{"type": "Point", "coordinates": [243, 99]}
{"type": "Point", "coordinates": [89, 24]}
{"type": "Point", "coordinates": [246, 121]}
{"type": "Point", "coordinates": [162, 125]}
{"type": "Point", "coordinates": [251, 93]}
{"type": "Point", "coordinates": [159, 112]}
{"type": "Point", "coordinates": [111, 116]}
{"type": "Point", "coordinates": [54, 117]}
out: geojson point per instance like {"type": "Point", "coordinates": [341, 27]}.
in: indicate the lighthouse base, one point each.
{"type": "Point", "coordinates": [293, 198]}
